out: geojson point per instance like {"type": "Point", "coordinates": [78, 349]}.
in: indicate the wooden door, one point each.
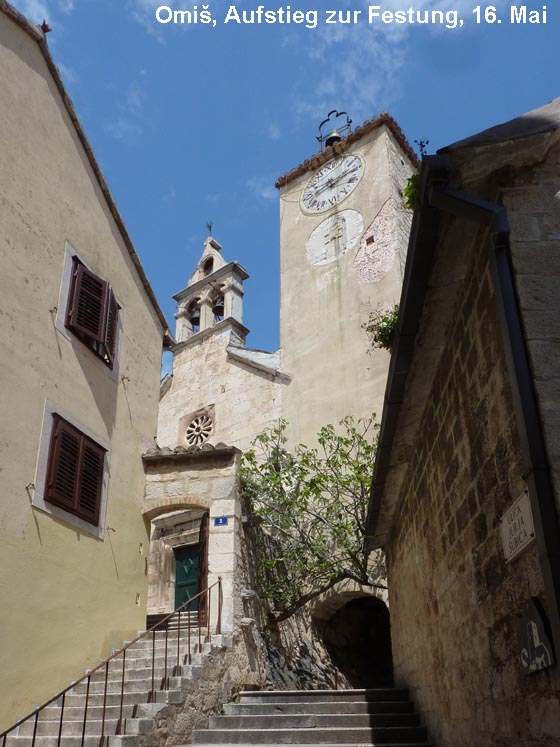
{"type": "Point", "coordinates": [187, 572]}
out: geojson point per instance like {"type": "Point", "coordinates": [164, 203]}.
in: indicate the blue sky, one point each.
{"type": "Point", "coordinates": [195, 123]}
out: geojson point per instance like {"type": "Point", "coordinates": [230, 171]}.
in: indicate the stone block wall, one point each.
{"type": "Point", "coordinates": [454, 602]}
{"type": "Point", "coordinates": [241, 400]}
{"type": "Point", "coordinates": [185, 485]}
{"type": "Point", "coordinates": [534, 214]}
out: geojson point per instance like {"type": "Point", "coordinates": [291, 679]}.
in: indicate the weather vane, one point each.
{"type": "Point", "coordinates": [209, 226]}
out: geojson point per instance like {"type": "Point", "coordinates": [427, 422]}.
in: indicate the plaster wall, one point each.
{"type": "Point", "coordinates": [323, 306]}
{"type": "Point", "coordinates": [68, 597]}
{"type": "Point", "coordinates": [241, 399]}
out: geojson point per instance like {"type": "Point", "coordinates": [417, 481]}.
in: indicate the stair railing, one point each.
{"type": "Point", "coordinates": [203, 602]}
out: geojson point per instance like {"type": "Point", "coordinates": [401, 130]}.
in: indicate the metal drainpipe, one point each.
{"type": "Point", "coordinates": [535, 468]}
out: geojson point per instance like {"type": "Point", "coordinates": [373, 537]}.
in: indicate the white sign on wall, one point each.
{"type": "Point", "coordinates": [516, 527]}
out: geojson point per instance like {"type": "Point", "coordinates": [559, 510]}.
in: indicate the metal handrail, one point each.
{"type": "Point", "coordinates": [105, 664]}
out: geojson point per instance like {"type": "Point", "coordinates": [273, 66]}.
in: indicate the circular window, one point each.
{"type": "Point", "coordinates": [198, 430]}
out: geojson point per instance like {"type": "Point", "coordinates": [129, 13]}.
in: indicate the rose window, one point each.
{"type": "Point", "coordinates": [198, 430]}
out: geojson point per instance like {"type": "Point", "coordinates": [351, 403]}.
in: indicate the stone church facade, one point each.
{"type": "Point", "coordinates": [343, 230]}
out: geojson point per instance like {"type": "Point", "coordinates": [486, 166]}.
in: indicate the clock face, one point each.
{"type": "Point", "coordinates": [332, 184]}
{"type": "Point", "coordinates": [334, 236]}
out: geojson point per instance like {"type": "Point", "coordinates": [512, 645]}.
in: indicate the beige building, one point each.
{"type": "Point", "coordinates": [81, 342]}
{"type": "Point", "coordinates": [466, 494]}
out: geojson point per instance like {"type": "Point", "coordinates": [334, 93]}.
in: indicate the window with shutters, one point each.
{"type": "Point", "coordinates": [75, 467]}
{"type": "Point", "coordinates": [92, 312]}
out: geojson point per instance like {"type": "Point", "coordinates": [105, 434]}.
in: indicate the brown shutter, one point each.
{"type": "Point", "coordinates": [88, 493]}
{"type": "Point", "coordinates": [111, 330]}
{"type": "Point", "coordinates": [88, 304]}
{"type": "Point", "coordinates": [203, 565]}
{"type": "Point", "coordinates": [75, 471]}
{"type": "Point", "coordinates": [64, 462]}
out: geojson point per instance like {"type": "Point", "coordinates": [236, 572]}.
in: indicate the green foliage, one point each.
{"type": "Point", "coordinates": [310, 507]}
{"type": "Point", "coordinates": [411, 191]}
{"type": "Point", "coordinates": [381, 327]}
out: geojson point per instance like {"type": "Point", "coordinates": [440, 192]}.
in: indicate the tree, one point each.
{"type": "Point", "coordinates": [310, 507]}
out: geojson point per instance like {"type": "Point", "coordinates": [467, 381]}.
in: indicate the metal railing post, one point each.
{"type": "Point", "coordinates": [178, 668]}
{"type": "Point", "coordinates": [220, 601]}
{"type": "Point", "coordinates": [61, 719]}
{"type": "Point", "coordinates": [102, 737]}
{"type": "Point", "coordinates": [85, 711]}
{"type": "Point", "coordinates": [120, 721]}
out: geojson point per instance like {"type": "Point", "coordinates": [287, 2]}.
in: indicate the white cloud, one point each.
{"type": "Point", "coordinates": [134, 98]}
{"type": "Point", "coordinates": [263, 187]}
{"type": "Point", "coordinates": [68, 74]}
{"type": "Point", "coordinates": [66, 6]}
{"type": "Point", "coordinates": [360, 66]}
{"type": "Point", "coordinates": [123, 129]}
{"type": "Point", "coordinates": [35, 10]}
{"type": "Point", "coordinates": [274, 131]}
{"type": "Point", "coordinates": [144, 13]}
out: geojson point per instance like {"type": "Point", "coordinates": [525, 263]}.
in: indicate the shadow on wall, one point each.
{"type": "Point", "coordinates": [358, 639]}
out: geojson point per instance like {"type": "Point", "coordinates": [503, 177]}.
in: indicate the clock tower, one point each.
{"type": "Point", "coordinates": [343, 239]}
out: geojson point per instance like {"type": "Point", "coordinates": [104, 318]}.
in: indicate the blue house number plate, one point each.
{"type": "Point", "coordinates": [220, 521]}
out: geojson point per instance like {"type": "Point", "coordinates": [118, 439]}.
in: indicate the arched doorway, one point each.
{"type": "Point", "coordinates": [178, 564]}
{"type": "Point", "coordinates": [358, 639]}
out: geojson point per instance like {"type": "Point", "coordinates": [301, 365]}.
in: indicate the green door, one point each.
{"type": "Point", "coordinates": [186, 575]}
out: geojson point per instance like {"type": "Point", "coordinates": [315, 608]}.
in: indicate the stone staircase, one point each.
{"type": "Point", "coordinates": [382, 718]}
{"type": "Point", "coordinates": [61, 724]}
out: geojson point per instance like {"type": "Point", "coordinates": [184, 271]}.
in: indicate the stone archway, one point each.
{"type": "Point", "coordinates": [170, 531]}
{"type": "Point", "coordinates": [358, 640]}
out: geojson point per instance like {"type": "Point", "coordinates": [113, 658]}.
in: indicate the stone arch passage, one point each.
{"type": "Point", "coordinates": [358, 639]}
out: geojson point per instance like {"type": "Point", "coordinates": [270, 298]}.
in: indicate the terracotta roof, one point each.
{"type": "Point", "coordinates": [339, 147]}
{"type": "Point", "coordinates": [181, 452]}
{"type": "Point", "coordinates": [37, 35]}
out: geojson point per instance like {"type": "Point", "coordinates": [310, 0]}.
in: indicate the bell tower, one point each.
{"type": "Point", "coordinates": [343, 239]}
{"type": "Point", "coordinates": [213, 295]}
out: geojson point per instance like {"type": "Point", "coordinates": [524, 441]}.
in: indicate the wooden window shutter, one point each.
{"type": "Point", "coordinates": [93, 312]}
{"type": "Point", "coordinates": [75, 471]}
{"type": "Point", "coordinates": [88, 493]}
{"type": "Point", "coordinates": [64, 463]}
{"type": "Point", "coordinates": [88, 303]}
{"type": "Point", "coordinates": [112, 315]}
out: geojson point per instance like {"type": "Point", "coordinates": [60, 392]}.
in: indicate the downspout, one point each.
{"type": "Point", "coordinates": [535, 467]}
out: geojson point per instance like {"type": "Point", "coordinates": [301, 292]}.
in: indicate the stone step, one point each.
{"type": "Point", "coordinates": [301, 707]}
{"type": "Point", "coordinates": [93, 726]}
{"type": "Point", "coordinates": [129, 698]}
{"type": "Point", "coordinates": [133, 673]}
{"type": "Point", "coordinates": [312, 721]}
{"type": "Point", "coordinates": [349, 744]}
{"type": "Point", "coordinates": [143, 683]}
{"type": "Point", "coordinates": [126, 740]}
{"type": "Point", "coordinates": [94, 712]}
{"type": "Point", "coordinates": [137, 657]}
{"type": "Point", "coordinates": [329, 696]}
{"type": "Point", "coordinates": [363, 736]}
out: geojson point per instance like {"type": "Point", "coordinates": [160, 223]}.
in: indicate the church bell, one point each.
{"type": "Point", "coordinates": [332, 138]}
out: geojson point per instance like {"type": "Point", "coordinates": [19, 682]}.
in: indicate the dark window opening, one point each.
{"type": "Point", "coordinates": [74, 471]}
{"type": "Point", "coordinates": [92, 312]}
{"type": "Point", "coordinates": [218, 309]}
{"type": "Point", "coordinates": [208, 266]}
{"type": "Point", "coordinates": [193, 315]}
